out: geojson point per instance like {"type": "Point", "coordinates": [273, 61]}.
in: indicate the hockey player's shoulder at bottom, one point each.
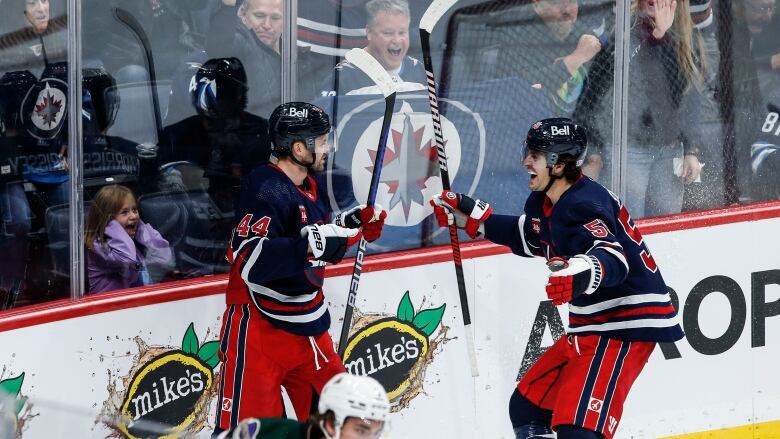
{"type": "Point", "coordinates": [350, 407]}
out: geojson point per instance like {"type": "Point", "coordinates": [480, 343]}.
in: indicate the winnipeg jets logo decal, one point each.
{"type": "Point", "coordinates": [44, 108]}
{"type": "Point", "coordinates": [410, 165]}
{"type": "Point", "coordinates": [410, 168]}
{"type": "Point", "coordinates": [48, 108]}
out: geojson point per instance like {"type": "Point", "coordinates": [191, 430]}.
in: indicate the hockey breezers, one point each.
{"type": "Point", "coordinates": [371, 67]}
{"type": "Point", "coordinates": [432, 15]}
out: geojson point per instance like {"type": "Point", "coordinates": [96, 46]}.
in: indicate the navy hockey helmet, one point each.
{"type": "Point", "coordinates": [13, 88]}
{"type": "Point", "coordinates": [100, 98]}
{"type": "Point", "coordinates": [556, 137]}
{"type": "Point", "coordinates": [296, 122]}
{"type": "Point", "coordinates": [220, 88]}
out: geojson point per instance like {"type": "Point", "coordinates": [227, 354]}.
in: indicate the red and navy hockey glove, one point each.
{"type": "Point", "coordinates": [371, 219]}
{"type": "Point", "coordinates": [329, 242]}
{"type": "Point", "coordinates": [570, 278]}
{"type": "Point", "coordinates": [465, 212]}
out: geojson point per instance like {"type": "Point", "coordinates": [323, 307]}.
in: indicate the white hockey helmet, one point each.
{"type": "Point", "coordinates": [353, 396]}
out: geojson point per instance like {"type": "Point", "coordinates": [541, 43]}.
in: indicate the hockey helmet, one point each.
{"type": "Point", "coordinates": [353, 396]}
{"type": "Point", "coordinates": [100, 98]}
{"type": "Point", "coordinates": [13, 88]}
{"type": "Point", "coordinates": [556, 137]}
{"type": "Point", "coordinates": [220, 88]}
{"type": "Point", "coordinates": [296, 121]}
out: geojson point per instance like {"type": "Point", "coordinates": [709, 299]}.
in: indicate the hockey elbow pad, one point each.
{"type": "Point", "coordinates": [329, 242]}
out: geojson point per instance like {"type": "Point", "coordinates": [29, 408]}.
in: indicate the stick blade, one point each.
{"type": "Point", "coordinates": [434, 13]}
{"type": "Point", "coordinates": [371, 67]}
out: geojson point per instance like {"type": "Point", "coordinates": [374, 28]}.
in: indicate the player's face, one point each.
{"type": "Point", "coordinates": [357, 428]}
{"type": "Point", "coordinates": [37, 13]}
{"type": "Point", "coordinates": [536, 164]}
{"type": "Point", "coordinates": [128, 216]}
{"type": "Point", "coordinates": [758, 14]}
{"type": "Point", "coordinates": [321, 150]}
{"type": "Point", "coordinates": [560, 15]}
{"type": "Point", "coordinates": [264, 17]}
{"type": "Point", "coordinates": [388, 39]}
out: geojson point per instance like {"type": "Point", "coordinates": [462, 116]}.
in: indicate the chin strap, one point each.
{"type": "Point", "coordinates": [307, 166]}
{"type": "Point", "coordinates": [552, 180]}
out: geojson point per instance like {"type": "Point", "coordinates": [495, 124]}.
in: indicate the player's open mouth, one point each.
{"type": "Point", "coordinates": [394, 52]}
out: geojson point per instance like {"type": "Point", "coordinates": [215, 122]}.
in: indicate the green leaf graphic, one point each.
{"type": "Point", "coordinates": [12, 386]}
{"type": "Point", "coordinates": [427, 320]}
{"type": "Point", "coordinates": [19, 405]}
{"type": "Point", "coordinates": [406, 309]}
{"type": "Point", "coordinates": [208, 353]}
{"type": "Point", "coordinates": [190, 343]}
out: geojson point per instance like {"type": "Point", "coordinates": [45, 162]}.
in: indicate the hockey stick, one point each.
{"type": "Point", "coordinates": [428, 21]}
{"type": "Point", "coordinates": [371, 67]}
{"type": "Point", "coordinates": [130, 21]}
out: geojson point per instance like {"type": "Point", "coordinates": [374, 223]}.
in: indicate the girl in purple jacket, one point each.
{"type": "Point", "coordinates": [119, 245]}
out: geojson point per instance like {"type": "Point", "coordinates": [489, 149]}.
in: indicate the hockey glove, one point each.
{"type": "Point", "coordinates": [465, 212]}
{"type": "Point", "coordinates": [371, 219]}
{"type": "Point", "coordinates": [329, 242]}
{"type": "Point", "coordinates": [570, 278]}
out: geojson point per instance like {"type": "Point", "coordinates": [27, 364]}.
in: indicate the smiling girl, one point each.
{"type": "Point", "coordinates": [119, 245]}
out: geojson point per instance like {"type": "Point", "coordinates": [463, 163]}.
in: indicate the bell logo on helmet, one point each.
{"type": "Point", "coordinates": [294, 112]}
{"type": "Point", "coordinates": [560, 131]}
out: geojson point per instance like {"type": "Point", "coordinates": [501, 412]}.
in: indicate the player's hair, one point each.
{"type": "Point", "coordinates": [317, 419]}
{"type": "Point", "coordinates": [692, 64]}
{"type": "Point", "coordinates": [374, 7]}
{"type": "Point", "coordinates": [107, 203]}
{"type": "Point", "coordinates": [570, 170]}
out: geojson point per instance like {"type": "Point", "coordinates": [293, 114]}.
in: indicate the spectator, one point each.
{"type": "Point", "coordinates": [762, 24]}
{"type": "Point", "coordinates": [15, 213]}
{"type": "Point", "coordinates": [765, 154]}
{"type": "Point", "coordinates": [257, 43]}
{"type": "Point", "coordinates": [661, 158]}
{"type": "Point", "coordinates": [550, 51]}
{"type": "Point", "coordinates": [387, 31]}
{"type": "Point", "coordinates": [31, 40]}
{"type": "Point", "coordinates": [120, 246]}
{"type": "Point", "coordinates": [707, 131]}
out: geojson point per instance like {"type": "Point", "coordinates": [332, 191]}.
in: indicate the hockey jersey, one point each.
{"type": "Point", "coordinates": [269, 259]}
{"type": "Point", "coordinates": [632, 302]}
{"type": "Point", "coordinates": [765, 153]}
{"type": "Point", "coordinates": [351, 80]}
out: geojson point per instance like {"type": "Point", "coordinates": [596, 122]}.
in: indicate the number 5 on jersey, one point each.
{"type": "Point", "coordinates": [259, 227]}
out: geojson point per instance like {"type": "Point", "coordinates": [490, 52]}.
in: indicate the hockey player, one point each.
{"type": "Point", "coordinates": [765, 153]}
{"type": "Point", "coordinates": [350, 407]}
{"type": "Point", "coordinates": [275, 327]}
{"type": "Point", "coordinates": [619, 307]}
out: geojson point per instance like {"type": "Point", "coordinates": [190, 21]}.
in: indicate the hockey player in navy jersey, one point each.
{"type": "Point", "coordinates": [619, 307]}
{"type": "Point", "coordinates": [275, 328]}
